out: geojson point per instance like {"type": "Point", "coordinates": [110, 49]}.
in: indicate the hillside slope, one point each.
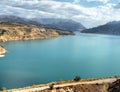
{"type": "Point", "coordinates": [63, 24]}
{"type": "Point", "coordinates": [112, 28]}
{"type": "Point", "coordinates": [16, 31]}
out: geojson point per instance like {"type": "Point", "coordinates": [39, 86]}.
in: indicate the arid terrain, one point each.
{"type": "Point", "coordinates": [89, 85]}
{"type": "Point", "coordinates": [10, 31]}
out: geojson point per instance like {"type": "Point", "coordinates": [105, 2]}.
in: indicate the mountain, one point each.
{"type": "Point", "coordinates": [57, 23]}
{"type": "Point", "coordinates": [112, 28]}
{"type": "Point", "coordinates": [18, 19]}
{"type": "Point", "coordinates": [10, 31]}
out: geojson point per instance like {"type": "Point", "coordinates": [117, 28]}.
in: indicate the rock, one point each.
{"type": "Point", "coordinates": [115, 86]}
{"type": "Point", "coordinates": [2, 50]}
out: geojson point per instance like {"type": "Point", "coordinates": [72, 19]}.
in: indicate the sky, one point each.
{"type": "Point", "coordinates": [90, 13]}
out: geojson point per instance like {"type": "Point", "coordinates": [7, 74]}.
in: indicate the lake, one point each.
{"type": "Point", "coordinates": [42, 61]}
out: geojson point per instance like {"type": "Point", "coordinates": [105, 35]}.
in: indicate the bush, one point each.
{"type": "Point", "coordinates": [77, 78]}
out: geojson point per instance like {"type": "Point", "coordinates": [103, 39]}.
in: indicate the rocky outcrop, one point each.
{"type": "Point", "coordinates": [15, 31]}
{"type": "Point", "coordinates": [2, 50]}
{"type": "Point", "coordinates": [115, 86]}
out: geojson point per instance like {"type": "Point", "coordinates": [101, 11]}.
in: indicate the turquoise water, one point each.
{"type": "Point", "coordinates": [62, 58]}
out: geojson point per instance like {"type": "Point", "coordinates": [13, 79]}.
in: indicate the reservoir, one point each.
{"type": "Point", "coordinates": [48, 60]}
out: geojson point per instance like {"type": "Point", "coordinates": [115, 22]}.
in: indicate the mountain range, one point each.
{"type": "Point", "coordinates": [112, 28]}
{"type": "Point", "coordinates": [56, 23]}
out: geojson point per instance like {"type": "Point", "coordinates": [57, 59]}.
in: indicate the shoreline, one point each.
{"type": "Point", "coordinates": [68, 83]}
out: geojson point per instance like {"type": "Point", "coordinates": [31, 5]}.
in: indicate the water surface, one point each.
{"type": "Point", "coordinates": [62, 58]}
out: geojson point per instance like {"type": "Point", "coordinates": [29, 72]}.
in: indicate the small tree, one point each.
{"type": "Point", "coordinates": [77, 78]}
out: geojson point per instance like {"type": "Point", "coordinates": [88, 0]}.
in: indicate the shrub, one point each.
{"type": "Point", "coordinates": [77, 78]}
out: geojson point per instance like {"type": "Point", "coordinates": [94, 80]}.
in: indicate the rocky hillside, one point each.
{"type": "Point", "coordinates": [2, 50]}
{"type": "Point", "coordinates": [115, 86]}
{"type": "Point", "coordinates": [16, 31]}
{"type": "Point", "coordinates": [57, 23]}
{"type": "Point", "coordinates": [112, 28]}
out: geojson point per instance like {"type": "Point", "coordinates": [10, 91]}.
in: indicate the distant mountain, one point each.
{"type": "Point", "coordinates": [17, 19]}
{"type": "Point", "coordinates": [64, 24]}
{"type": "Point", "coordinates": [112, 28]}
{"type": "Point", "coordinates": [57, 23]}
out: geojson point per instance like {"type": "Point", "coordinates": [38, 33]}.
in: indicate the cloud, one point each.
{"type": "Point", "coordinates": [117, 6]}
{"type": "Point", "coordinates": [103, 1]}
{"type": "Point", "coordinates": [89, 16]}
{"type": "Point", "coordinates": [76, 1]}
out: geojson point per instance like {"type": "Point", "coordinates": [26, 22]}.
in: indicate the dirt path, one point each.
{"type": "Point", "coordinates": [109, 80]}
